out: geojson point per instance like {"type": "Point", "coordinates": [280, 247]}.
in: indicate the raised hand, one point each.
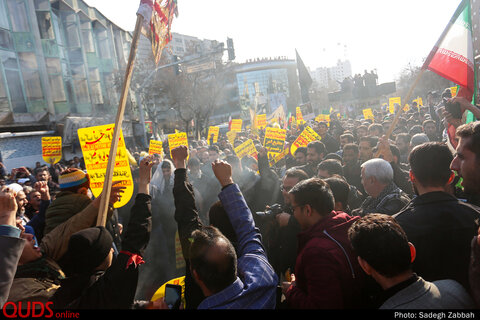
{"type": "Point", "coordinates": [179, 156]}
{"type": "Point", "coordinates": [223, 172]}
{"type": "Point", "coordinates": [145, 173]}
{"type": "Point", "coordinates": [42, 187]}
{"type": "Point", "coordinates": [8, 206]}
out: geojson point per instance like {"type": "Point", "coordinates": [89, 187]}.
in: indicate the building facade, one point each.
{"type": "Point", "coordinates": [57, 57]}
{"type": "Point", "coordinates": [328, 76]}
{"type": "Point", "coordinates": [58, 60]}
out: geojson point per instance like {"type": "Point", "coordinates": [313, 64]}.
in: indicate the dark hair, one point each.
{"type": "Point", "coordinates": [351, 146]}
{"type": "Point", "coordinates": [395, 151]}
{"type": "Point", "coordinates": [430, 163]}
{"type": "Point", "coordinates": [376, 126]}
{"type": "Point", "coordinates": [428, 121]}
{"type": "Point", "coordinates": [218, 218]}
{"type": "Point", "coordinates": [333, 156]}
{"type": "Point", "coordinates": [318, 146]}
{"type": "Point", "coordinates": [404, 136]}
{"type": "Point", "coordinates": [371, 140]}
{"type": "Point", "coordinates": [216, 269]}
{"type": "Point", "coordinates": [471, 130]}
{"type": "Point", "coordinates": [349, 136]}
{"type": "Point", "coordinates": [415, 129]}
{"type": "Point", "coordinates": [296, 173]}
{"type": "Point", "coordinates": [316, 193]}
{"type": "Point", "coordinates": [381, 242]}
{"type": "Point", "coordinates": [340, 189]}
{"type": "Point", "coordinates": [302, 150]}
{"type": "Point", "coordinates": [332, 166]}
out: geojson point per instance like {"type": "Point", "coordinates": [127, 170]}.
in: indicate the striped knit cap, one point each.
{"type": "Point", "coordinates": [72, 179]}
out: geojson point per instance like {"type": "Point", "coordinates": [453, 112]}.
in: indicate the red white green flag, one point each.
{"type": "Point", "coordinates": [157, 22]}
{"type": "Point", "coordinates": [452, 56]}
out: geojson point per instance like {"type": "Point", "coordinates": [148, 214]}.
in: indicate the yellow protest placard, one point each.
{"type": "Point", "coordinates": [261, 121]}
{"type": "Point", "coordinates": [274, 141]}
{"type": "Point", "coordinates": [51, 149]}
{"type": "Point", "coordinates": [95, 143]}
{"type": "Point", "coordinates": [231, 135]}
{"type": "Point", "coordinates": [246, 149]}
{"type": "Point", "coordinates": [299, 116]}
{"type": "Point", "coordinates": [177, 139]}
{"type": "Point", "coordinates": [392, 102]}
{"type": "Point", "coordinates": [215, 131]}
{"type": "Point", "coordinates": [368, 114]}
{"type": "Point", "coordinates": [308, 135]}
{"type": "Point", "coordinates": [236, 125]}
{"type": "Point", "coordinates": [453, 90]}
{"type": "Point", "coordinates": [279, 156]}
{"type": "Point", "coordinates": [156, 147]}
{"type": "Point", "coordinates": [419, 101]}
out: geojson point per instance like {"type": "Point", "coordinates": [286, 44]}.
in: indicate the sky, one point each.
{"type": "Point", "coordinates": [385, 35]}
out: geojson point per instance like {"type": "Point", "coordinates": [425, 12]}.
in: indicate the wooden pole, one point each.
{"type": "Point", "coordinates": [107, 185]}
{"type": "Point", "coordinates": [407, 98]}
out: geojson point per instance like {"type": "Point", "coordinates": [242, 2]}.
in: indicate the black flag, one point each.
{"type": "Point", "coordinates": [304, 78]}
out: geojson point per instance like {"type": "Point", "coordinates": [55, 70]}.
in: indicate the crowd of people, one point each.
{"type": "Point", "coordinates": [363, 218]}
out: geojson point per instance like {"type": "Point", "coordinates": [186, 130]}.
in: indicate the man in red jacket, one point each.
{"type": "Point", "coordinates": [327, 273]}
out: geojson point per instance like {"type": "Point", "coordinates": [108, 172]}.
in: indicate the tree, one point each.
{"type": "Point", "coordinates": [430, 81]}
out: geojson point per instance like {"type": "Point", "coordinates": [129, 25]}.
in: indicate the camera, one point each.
{"type": "Point", "coordinates": [273, 210]}
{"type": "Point", "coordinates": [453, 108]}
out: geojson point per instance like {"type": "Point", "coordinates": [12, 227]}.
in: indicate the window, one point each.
{"type": "Point", "coordinates": [9, 59]}
{"type": "Point", "coordinates": [31, 77]}
{"type": "Point", "coordinates": [15, 90]}
{"type": "Point", "coordinates": [45, 26]}
{"type": "Point", "coordinates": [18, 15]}
{"type": "Point", "coordinates": [103, 44]}
{"type": "Point", "coordinates": [88, 41]}
{"type": "Point", "coordinates": [42, 5]}
{"type": "Point", "coordinates": [4, 107]}
{"type": "Point", "coordinates": [5, 40]}
{"type": "Point", "coordinates": [71, 30]}
{"type": "Point", "coordinates": [55, 78]}
{"type": "Point", "coordinates": [3, 16]}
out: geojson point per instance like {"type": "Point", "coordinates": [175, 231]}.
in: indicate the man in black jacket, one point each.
{"type": "Point", "coordinates": [96, 280]}
{"type": "Point", "coordinates": [439, 225]}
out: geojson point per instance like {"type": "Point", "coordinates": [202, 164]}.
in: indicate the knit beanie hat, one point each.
{"type": "Point", "coordinates": [72, 178]}
{"type": "Point", "coordinates": [87, 249]}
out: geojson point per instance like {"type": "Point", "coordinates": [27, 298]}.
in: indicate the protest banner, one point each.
{"type": "Point", "coordinates": [453, 91]}
{"type": "Point", "coordinates": [156, 147]}
{"type": "Point", "coordinates": [368, 114]}
{"type": "Point", "coordinates": [236, 125]}
{"type": "Point", "coordinates": [246, 149]}
{"type": "Point", "coordinates": [299, 116]}
{"type": "Point", "coordinates": [231, 135]}
{"type": "Point", "coordinates": [51, 149]}
{"type": "Point", "coordinates": [392, 102]}
{"type": "Point", "coordinates": [177, 139]}
{"type": "Point", "coordinates": [215, 131]}
{"type": "Point", "coordinates": [261, 121]}
{"type": "Point", "coordinates": [274, 141]}
{"type": "Point", "coordinates": [308, 135]}
{"type": "Point", "coordinates": [95, 143]}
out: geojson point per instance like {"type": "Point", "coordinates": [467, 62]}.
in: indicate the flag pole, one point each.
{"type": "Point", "coordinates": [107, 185]}
{"type": "Point", "coordinates": [460, 8]}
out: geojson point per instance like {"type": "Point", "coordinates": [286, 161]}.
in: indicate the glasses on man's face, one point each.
{"type": "Point", "coordinates": [286, 189]}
